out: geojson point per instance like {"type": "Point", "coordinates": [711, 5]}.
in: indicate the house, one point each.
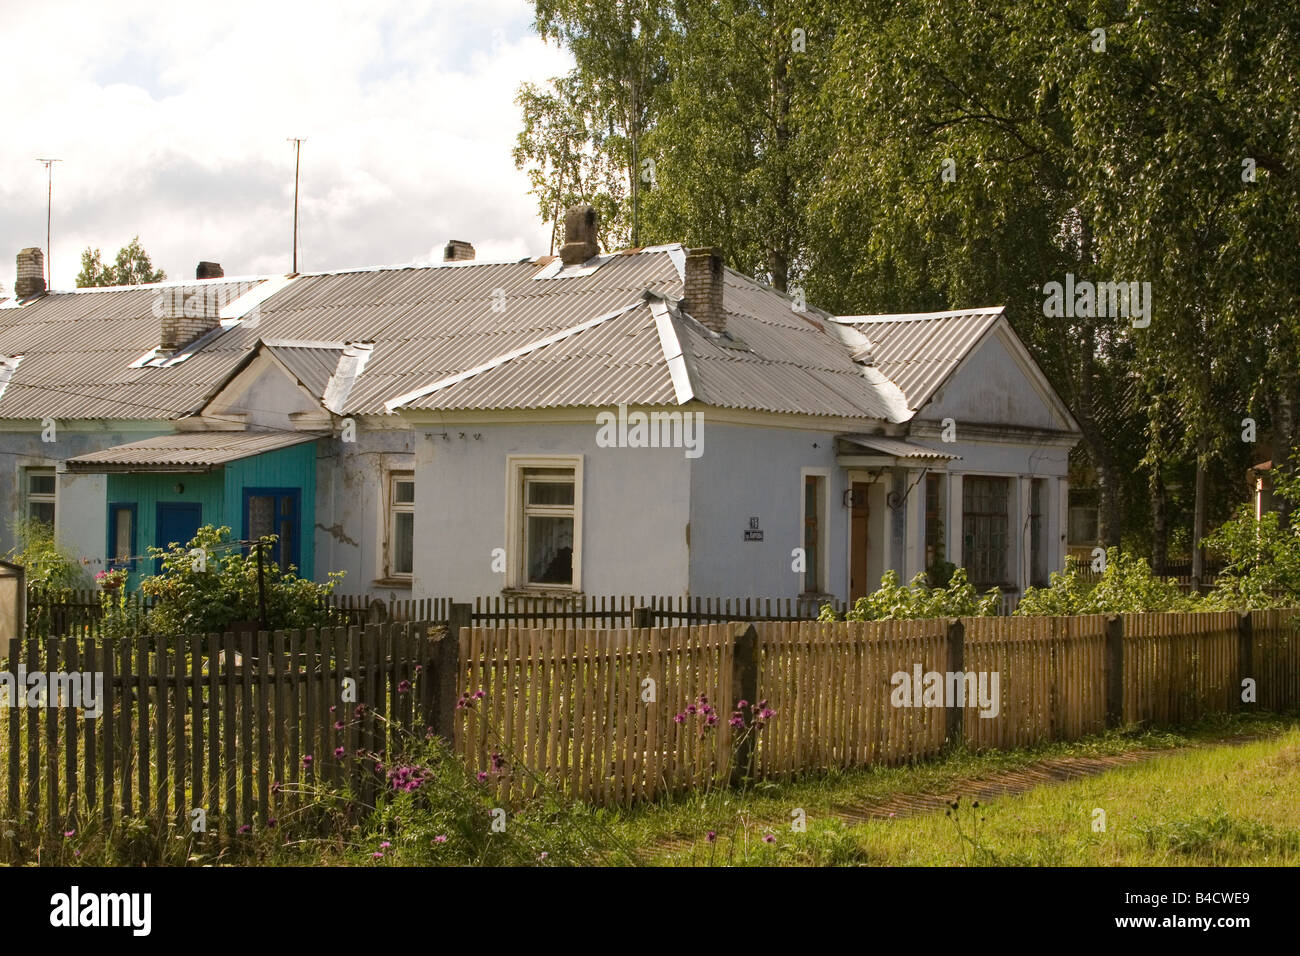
{"type": "Point", "coordinates": [642, 422]}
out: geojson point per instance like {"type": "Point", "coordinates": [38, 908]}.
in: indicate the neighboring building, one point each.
{"type": "Point", "coordinates": [475, 428]}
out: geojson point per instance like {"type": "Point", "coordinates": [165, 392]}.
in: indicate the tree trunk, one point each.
{"type": "Point", "coordinates": [1159, 523]}
{"type": "Point", "coordinates": [1198, 519]}
{"type": "Point", "coordinates": [1284, 436]}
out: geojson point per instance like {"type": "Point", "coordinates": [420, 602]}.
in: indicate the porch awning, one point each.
{"type": "Point", "coordinates": [850, 445]}
{"type": "Point", "coordinates": [189, 452]}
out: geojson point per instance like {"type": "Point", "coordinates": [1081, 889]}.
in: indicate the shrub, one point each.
{"type": "Point", "coordinates": [1261, 559]}
{"type": "Point", "coordinates": [895, 601]}
{"type": "Point", "coordinates": [48, 567]}
{"type": "Point", "coordinates": [208, 597]}
{"type": "Point", "coordinates": [1127, 585]}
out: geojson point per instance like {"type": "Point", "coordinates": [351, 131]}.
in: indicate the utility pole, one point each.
{"type": "Point", "coordinates": [49, 212]}
{"type": "Point", "coordinates": [297, 156]}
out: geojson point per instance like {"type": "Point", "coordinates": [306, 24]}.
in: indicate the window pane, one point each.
{"type": "Point", "coordinates": [404, 492]}
{"type": "Point", "coordinates": [550, 549]}
{"type": "Point", "coordinates": [41, 511]}
{"type": "Point", "coordinates": [261, 516]}
{"type": "Point", "coordinates": [550, 492]}
{"type": "Point", "coordinates": [812, 532]}
{"type": "Point", "coordinates": [285, 544]}
{"type": "Point", "coordinates": [403, 543]}
{"type": "Point", "coordinates": [122, 534]}
{"type": "Point", "coordinates": [40, 484]}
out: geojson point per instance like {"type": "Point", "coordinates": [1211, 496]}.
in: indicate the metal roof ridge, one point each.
{"type": "Point", "coordinates": [679, 366]}
{"type": "Point", "coordinates": [916, 316]}
{"type": "Point", "coordinates": [165, 284]}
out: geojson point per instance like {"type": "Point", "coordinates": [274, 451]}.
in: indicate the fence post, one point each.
{"type": "Point", "coordinates": [1114, 670]}
{"type": "Point", "coordinates": [1246, 658]}
{"type": "Point", "coordinates": [446, 670]}
{"type": "Point", "coordinates": [956, 712]}
{"type": "Point", "coordinates": [642, 617]}
{"type": "Point", "coordinates": [744, 686]}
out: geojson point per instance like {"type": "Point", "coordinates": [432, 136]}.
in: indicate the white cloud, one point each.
{"type": "Point", "coordinates": [172, 122]}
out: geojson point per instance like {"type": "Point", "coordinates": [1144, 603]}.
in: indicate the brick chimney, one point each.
{"type": "Point", "coordinates": [186, 313]}
{"type": "Point", "coordinates": [457, 250]}
{"type": "Point", "coordinates": [31, 273]}
{"type": "Point", "coordinates": [703, 287]}
{"type": "Point", "coordinates": [580, 224]}
{"type": "Point", "coordinates": [209, 270]}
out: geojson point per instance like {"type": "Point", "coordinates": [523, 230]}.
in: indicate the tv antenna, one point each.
{"type": "Point", "coordinates": [49, 211]}
{"type": "Point", "coordinates": [297, 157]}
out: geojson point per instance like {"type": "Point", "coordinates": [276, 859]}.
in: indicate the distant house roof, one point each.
{"type": "Point", "coordinates": [186, 451]}
{"type": "Point", "coordinates": [919, 351]}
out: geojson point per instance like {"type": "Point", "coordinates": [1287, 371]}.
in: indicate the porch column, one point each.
{"type": "Point", "coordinates": [1061, 540]}
{"type": "Point", "coordinates": [952, 520]}
{"type": "Point", "coordinates": [1024, 539]}
{"type": "Point", "coordinates": [914, 550]}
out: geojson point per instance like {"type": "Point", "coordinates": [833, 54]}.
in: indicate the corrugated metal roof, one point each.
{"type": "Point", "coordinates": [429, 324]}
{"type": "Point", "coordinates": [79, 349]}
{"type": "Point", "coordinates": [312, 365]}
{"type": "Point", "coordinates": [895, 447]}
{"type": "Point", "coordinates": [919, 351]}
{"type": "Point", "coordinates": [186, 451]}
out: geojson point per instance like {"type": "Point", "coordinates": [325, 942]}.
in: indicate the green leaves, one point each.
{"type": "Point", "coordinates": [895, 601]}
{"type": "Point", "coordinates": [131, 267]}
{"type": "Point", "coordinates": [208, 594]}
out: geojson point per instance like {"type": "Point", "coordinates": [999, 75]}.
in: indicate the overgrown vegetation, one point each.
{"type": "Point", "coordinates": [1261, 558]}
{"type": "Point", "coordinates": [1126, 585]}
{"type": "Point", "coordinates": [48, 566]}
{"type": "Point", "coordinates": [210, 583]}
{"type": "Point", "coordinates": [895, 601]}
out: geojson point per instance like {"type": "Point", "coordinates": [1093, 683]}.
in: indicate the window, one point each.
{"type": "Point", "coordinates": [1083, 524]}
{"type": "Point", "coordinates": [934, 543]}
{"type": "Point", "coordinates": [984, 530]}
{"type": "Point", "coordinates": [40, 494]}
{"type": "Point", "coordinates": [273, 511]}
{"type": "Point", "coordinates": [121, 535]}
{"type": "Point", "coordinates": [814, 533]}
{"type": "Point", "coordinates": [546, 522]}
{"type": "Point", "coordinates": [1082, 518]}
{"type": "Point", "coordinates": [401, 524]}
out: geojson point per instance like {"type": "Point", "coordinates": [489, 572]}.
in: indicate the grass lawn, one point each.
{"type": "Point", "coordinates": [1205, 802]}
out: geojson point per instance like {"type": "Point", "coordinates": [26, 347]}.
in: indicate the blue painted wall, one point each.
{"type": "Point", "coordinates": [220, 493]}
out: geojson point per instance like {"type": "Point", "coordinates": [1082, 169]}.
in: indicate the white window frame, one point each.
{"type": "Point", "coordinates": [823, 528]}
{"type": "Point", "coordinates": [28, 497]}
{"type": "Point", "coordinates": [516, 525]}
{"type": "Point", "coordinates": [392, 509]}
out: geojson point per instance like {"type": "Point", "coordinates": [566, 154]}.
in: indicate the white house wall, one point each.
{"type": "Point", "coordinates": [351, 508]}
{"type": "Point", "coordinates": [992, 386]}
{"type": "Point", "coordinates": [80, 506]}
{"type": "Point", "coordinates": [753, 472]}
{"type": "Point", "coordinates": [635, 507]}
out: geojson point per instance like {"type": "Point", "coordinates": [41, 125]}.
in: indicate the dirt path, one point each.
{"type": "Point", "coordinates": [1000, 783]}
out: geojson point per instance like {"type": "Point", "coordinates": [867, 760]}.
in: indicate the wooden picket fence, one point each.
{"type": "Point", "coordinates": [225, 723]}
{"type": "Point", "coordinates": [568, 708]}
{"type": "Point", "coordinates": [239, 726]}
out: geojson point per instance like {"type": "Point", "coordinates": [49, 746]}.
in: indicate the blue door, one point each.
{"type": "Point", "coordinates": [178, 521]}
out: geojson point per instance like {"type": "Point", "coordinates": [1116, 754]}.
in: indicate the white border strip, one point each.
{"type": "Point", "coordinates": [916, 316]}
{"type": "Point", "coordinates": [673, 352]}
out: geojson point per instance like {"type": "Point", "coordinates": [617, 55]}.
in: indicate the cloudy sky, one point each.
{"type": "Point", "coordinates": [171, 120]}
